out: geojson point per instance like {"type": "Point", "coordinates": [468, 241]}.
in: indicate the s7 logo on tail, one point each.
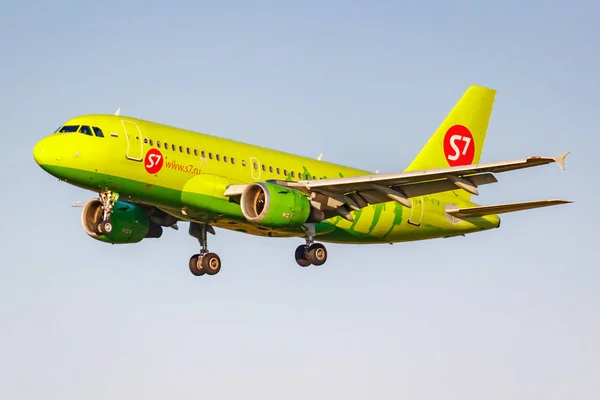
{"type": "Point", "coordinates": [459, 147]}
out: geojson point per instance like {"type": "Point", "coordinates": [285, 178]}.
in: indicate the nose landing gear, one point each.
{"type": "Point", "coordinates": [108, 200]}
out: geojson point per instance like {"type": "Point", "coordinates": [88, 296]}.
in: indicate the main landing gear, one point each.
{"type": "Point", "coordinates": [311, 253]}
{"type": "Point", "coordinates": [205, 262]}
{"type": "Point", "coordinates": [108, 200]}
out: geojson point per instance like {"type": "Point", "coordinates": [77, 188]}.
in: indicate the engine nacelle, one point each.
{"type": "Point", "coordinates": [131, 223]}
{"type": "Point", "coordinates": [276, 206]}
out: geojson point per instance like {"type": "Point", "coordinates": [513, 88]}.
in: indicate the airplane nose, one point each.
{"type": "Point", "coordinates": [38, 152]}
{"type": "Point", "coordinates": [41, 152]}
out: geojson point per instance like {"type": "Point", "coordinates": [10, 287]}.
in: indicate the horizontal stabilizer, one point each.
{"type": "Point", "coordinates": [502, 208]}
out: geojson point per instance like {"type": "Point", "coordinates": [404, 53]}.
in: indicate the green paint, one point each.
{"type": "Point", "coordinates": [379, 208]}
{"type": "Point", "coordinates": [357, 215]}
{"type": "Point", "coordinates": [398, 209]}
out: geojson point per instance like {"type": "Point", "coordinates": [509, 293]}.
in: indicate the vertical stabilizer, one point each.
{"type": "Point", "coordinates": [460, 138]}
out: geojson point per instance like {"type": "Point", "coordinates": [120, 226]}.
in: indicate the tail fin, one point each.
{"type": "Point", "coordinates": [459, 139]}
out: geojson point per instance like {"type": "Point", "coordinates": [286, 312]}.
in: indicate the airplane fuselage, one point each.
{"type": "Point", "coordinates": [185, 174]}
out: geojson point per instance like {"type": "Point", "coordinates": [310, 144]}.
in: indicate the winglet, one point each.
{"type": "Point", "coordinates": [118, 112]}
{"type": "Point", "coordinates": [560, 160]}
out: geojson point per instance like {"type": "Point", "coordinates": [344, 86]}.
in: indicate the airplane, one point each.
{"type": "Point", "coordinates": [149, 176]}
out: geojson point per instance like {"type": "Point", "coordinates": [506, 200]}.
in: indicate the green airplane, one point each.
{"type": "Point", "coordinates": [149, 176]}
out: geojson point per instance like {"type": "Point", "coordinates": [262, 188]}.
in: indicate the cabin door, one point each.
{"type": "Point", "coordinates": [135, 143]}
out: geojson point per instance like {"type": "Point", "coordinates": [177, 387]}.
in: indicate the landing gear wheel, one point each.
{"type": "Point", "coordinates": [194, 266]}
{"type": "Point", "coordinates": [317, 254]}
{"type": "Point", "coordinates": [106, 227]}
{"type": "Point", "coordinates": [205, 262]}
{"type": "Point", "coordinates": [301, 257]}
{"type": "Point", "coordinates": [211, 263]}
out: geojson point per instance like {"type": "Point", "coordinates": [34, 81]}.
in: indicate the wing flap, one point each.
{"type": "Point", "coordinates": [481, 211]}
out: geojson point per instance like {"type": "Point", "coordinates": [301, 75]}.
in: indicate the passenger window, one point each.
{"type": "Point", "coordinates": [69, 129]}
{"type": "Point", "coordinates": [181, 149]}
{"type": "Point", "coordinates": [188, 150]}
{"type": "Point", "coordinates": [218, 157]}
{"type": "Point", "coordinates": [285, 172]}
{"type": "Point", "coordinates": [224, 158]}
{"type": "Point", "coordinates": [270, 169]}
{"type": "Point", "coordinates": [210, 155]}
{"type": "Point", "coordinates": [158, 143]}
{"type": "Point", "coordinates": [98, 132]}
{"type": "Point", "coordinates": [86, 130]}
{"type": "Point", "coordinates": [173, 147]}
{"type": "Point", "coordinates": [243, 163]}
{"type": "Point", "coordinates": [166, 146]}
{"type": "Point", "coordinates": [196, 152]}
{"type": "Point", "coordinates": [278, 171]}
{"type": "Point", "coordinates": [203, 154]}
{"type": "Point", "coordinates": [264, 167]}
{"type": "Point", "coordinates": [145, 140]}
{"type": "Point", "coordinates": [232, 160]}
{"type": "Point", "coordinates": [151, 142]}
{"type": "Point", "coordinates": [293, 174]}
{"type": "Point", "coordinates": [255, 165]}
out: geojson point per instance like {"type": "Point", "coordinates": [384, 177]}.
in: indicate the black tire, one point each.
{"type": "Point", "coordinates": [194, 266]}
{"type": "Point", "coordinates": [211, 264]}
{"type": "Point", "coordinates": [300, 255]}
{"type": "Point", "coordinates": [317, 254]}
{"type": "Point", "coordinates": [98, 229]}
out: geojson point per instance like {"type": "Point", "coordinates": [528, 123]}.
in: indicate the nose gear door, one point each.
{"type": "Point", "coordinates": [135, 144]}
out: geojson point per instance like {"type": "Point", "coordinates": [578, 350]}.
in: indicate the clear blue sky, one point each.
{"type": "Point", "coordinates": [511, 313]}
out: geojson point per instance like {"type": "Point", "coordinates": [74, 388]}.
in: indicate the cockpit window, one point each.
{"type": "Point", "coordinates": [86, 130]}
{"type": "Point", "coordinates": [69, 128]}
{"type": "Point", "coordinates": [98, 132]}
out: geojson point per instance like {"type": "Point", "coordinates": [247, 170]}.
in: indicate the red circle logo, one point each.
{"type": "Point", "coordinates": [459, 147]}
{"type": "Point", "coordinates": [153, 161]}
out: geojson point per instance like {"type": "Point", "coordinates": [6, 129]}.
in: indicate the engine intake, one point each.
{"type": "Point", "coordinates": [131, 223]}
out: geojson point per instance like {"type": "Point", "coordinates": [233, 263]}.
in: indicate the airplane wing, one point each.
{"type": "Point", "coordinates": [358, 191]}
{"type": "Point", "coordinates": [480, 211]}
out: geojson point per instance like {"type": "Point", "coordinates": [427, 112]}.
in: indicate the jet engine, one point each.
{"type": "Point", "coordinates": [131, 223]}
{"type": "Point", "coordinates": [275, 206]}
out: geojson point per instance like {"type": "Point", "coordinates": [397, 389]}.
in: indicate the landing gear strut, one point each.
{"type": "Point", "coordinates": [311, 252]}
{"type": "Point", "coordinates": [108, 199]}
{"type": "Point", "coordinates": [205, 262]}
